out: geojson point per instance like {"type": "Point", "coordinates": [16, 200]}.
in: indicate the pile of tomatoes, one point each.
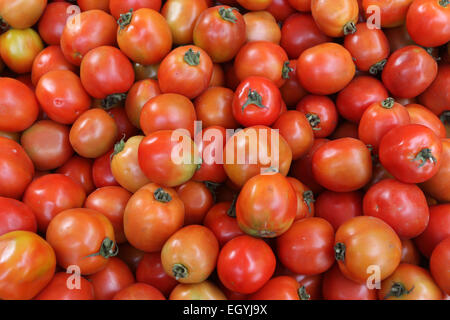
{"type": "Point", "coordinates": [350, 98]}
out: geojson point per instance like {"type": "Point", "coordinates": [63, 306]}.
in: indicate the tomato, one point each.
{"type": "Point", "coordinates": [291, 91]}
{"type": "Point", "coordinates": [342, 165]}
{"type": "Point", "coordinates": [307, 247]}
{"type": "Point", "coordinates": [58, 289]}
{"type": "Point", "coordinates": [280, 9]}
{"type": "Point", "coordinates": [111, 202]}
{"type": "Point", "coordinates": [438, 186]}
{"type": "Point", "coordinates": [205, 290]}
{"type": "Point", "coordinates": [186, 70]}
{"type": "Point", "coordinates": [325, 68]}
{"type": "Point", "coordinates": [160, 162]}
{"type": "Point", "coordinates": [145, 72]}
{"type": "Point", "coordinates": [379, 118]}
{"type": "Point", "coordinates": [101, 171]}
{"type": "Point", "coordinates": [240, 166]}
{"type": "Point", "coordinates": [409, 282]}
{"type": "Point", "coordinates": [335, 18]}
{"type": "Point", "coordinates": [263, 59]}
{"type": "Point", "coordinates": [245, 264]}
{"type": "Point", "coordinates": [124, 126]}
{"type": "Point", "coordinates": [337, 287]}
{"type": "Point", "coordinates": [86, 31]}
{"type": "Point", "coordinates": [106, 63]}
{"type": "Point", "coordinates": [300, 5]}
{"type": "Point", "coordinates": [279, 288]}
{"type": "Point", "coordinates": [439, 262]}
{"type": "Point", "coordinates": [181, 16]}
{"type": "Point", "coordinates": [169, 111]}
{"type": "Point", "coordinates": [49, 59]}
{"type": "Point", "coordinates": [27, 265]}
{"type": "Point", "coordinates": [130, 255]}
{"type": "Point", "coordinates": [141, 92]}
{"type": "Point", "coordinates": [220, 31]}
{"type": "Point", "coordinates": [300, 32]}
{"type": "Point", "coordinates": [80, 170]}
{"type": "Point", "coordinates": [305, 199]}
{"type": "Point", "coordinates": [437, 97]}
{"type": "Point", "coordinates": [221, 220]}
{"type": "Point", "coordinates": [421, 115]}
{"type": "Point", "coordinates": [19, 106]}
{"type": "Point", "coordinates": [428, 22]}
{"type": "Point", "coordinates": [365, 241]}
{"type": "Point", "coordinates": [392, 13]}
{"type": "Point", "coordinates": [112, 279]}
{"type": "Point", "coordinates": [17, 169]}
{"type": "Point", "coordinates": [345, 129]}
{"type": "Point", "coordinates": [411, 62]}
{"type": "Point", "coordinates": [437, 230]}
{"type": "Point", "coordinates": [214, 108]}
{"type": "Point", "coordinates": [190, 254]}
{"type": "Point", "coordinates": [151, 216]}
{"type": "Point", "coordinates": [310, 285]}
{"type": "Point", "coordinates": [338, 207]}
{"type": "Point", "coordinates": [257, 101]}
{"type": "Point", "coordinates": [410, 253]}
{"type": "Point", "coordinates": [21, 14]}
{"type": "Point", "coordinates": [262, 26]}
{"type": "Point", "coordinates": [125, 165]}
{"type": "Point", "coordinates": [254, 5]}
{"type": "Point", "coordinates": [218, 76]}
{"type": "Point", "coordinates": [321, 113]}
{"type": "Point", "coordinates": [86, 5]}
{"type": "Point", "coordinates": [47, 144]}
{"type": "Point", "coordinates": [92, 239]}
{"type": "Point", "coordinates": [118, 7]}
{"type": "Point", "coordinates": [144, 36]}
{"type": "Point", "coordinates": [53, 21]}
{"type": "Point", "coordinates": [151, 271]}
{"type": "Point", "coordinates": [398, 37]}
{"type": "Point", "coordinates": [15, 216]}
{"type": "Point", "coordinates": [139, 291]}
{"type": "Point", "coordinates": [93, 133]}
{"type": "Point", "coordinates": [19, 48]}
{"type": "Point", "coordinates": [197, 200]}
{"type": "Point", "coordinates": [411, 153]}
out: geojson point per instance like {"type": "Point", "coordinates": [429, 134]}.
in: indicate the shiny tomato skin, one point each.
{"type": "Point", "coordinates": [333, 16]}
{"type": "Point", "coordinates": [149, 221]}
{"type": "Point", "coordinates": [79, 170]}
{"type": "Point", "coordinates": [111, 202]}
{"type": "Point", "coordinates": [27, 265]}
{"type": "Point", "coordinates": [278, 288]}
{"type": "Point", "coordinates": [438, 186]}
{"type": "Point", "coordinates": [139, 291]}
{"type": "Point", "coordinates": [16, 215]}
{"type": "Point", "coordinates": [321, 113]}
{"type": "Point", "coordinates": [337, 287]}
{"type": "Point", "coordinates": [410, 253]}
{"type": "Point", "coordinates": [214, 108]}
{"type": "Point", "coordinates": [280, 9]}
{"type": "Point", "coordinates": [124, 126]}
{"type": "Point", "coordinates": [360, 93]}
{"type": "Point", "coordinates": [20, 108]}
{"type": "Point", "coordinates": [205, 290]}
{"type": "Point", "coordinates": [197, 200]}
{"type": "Point", "coordinates": [57, 289]}
{"type": "Point", "coordinates": [338, 207]}
{"type": "Point", "coordinates": [262, 26]}
{"type": "Point", "coordinates": [437, 97]}
{"type": "Point", "coordinates": [118, 7]}
{"type": "Point", "coordinates": [305, 199]}
{"type": "Point", "coordinates": [62, 96]}
{"type": "Point", "coordinates": [424, 116]}
{"type": "Point", "coordinates": [392, 13]}
{"type": "Point", "coordinates": [410, 62]}
{"type": "Point", "coordinates": [112, 279]}
{"type": "Point", "coordinates": [313, 67]}
{"type": "Point", "coordinates": [403, 206]}
{"type": "Point", "coordinates": [86, 31]}
{"type": "Point", "coordinates": [141, 92]}
{"type": "Point", "coordinates": [101, 171]}
{"type": "Point", "coordinates": [17, 169]}
{"type": "Point", "coordinates": [307, 247]}
{"type": "Point", "coordinates": [436, 231]}
{"type": "Point", "coordinates": [53, 21]}
{"type": "Point", "coordinates": [245, 264]}
{"type": "Point", "coordinates": [254, 5]}
{"type": "Point", "coordinates": [151, 271]}
{"type": "Point", "coordinates": [86, 5]}
{"type": "Point", "coordinates": [439, 262]}
{"type": "Point", "coordinates": [22, 14]}
{"type": "Point", "coordinates": [366, 241]}
{"type": "Point", "coordinates": [51, 194]}
{"type": "Point", "coordinates": [312, 284]}
{"type": "Point", "coordinates": [400, 147]}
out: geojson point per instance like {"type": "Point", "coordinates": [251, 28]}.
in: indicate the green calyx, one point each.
{"type": "Point", "coordinates": [377, 67]}
{"type": "Point", "coordinates": [303, 294]}
{"type": "Point", "coordinates": [339, 251]}
{"type": "Point", "coordinates": [314, 121]}
{"type": "Point", "coordinates": [397, 290]}
{"type": "Point", "coordinates": [162, 196]}
{"type": "Point", "coordinates": [349, 28]}
{"type": "Point", "coordinates": [231, 212]}
{"type": "Point", "coordinates": [444, 3]}
{"type": "Point", "coordinates": [113, 100]}
{"type": "Point", "coordinates": [107, 250]}
{"type": "Point", "coordinates": [179, 271]}
{"type": "Point", "coordinates": [445, 117]}
{"type": "Point", "coordinates": [423, 156]}
{"type": "Point", "coordinates": [118, 147]}
{"type": "Point", "coordinates": [125, 19]}
{"type": "Point", "coordinates": [227, 14]}
{"type": "Point", "coordinates": [212, 187]}
{"type": "Point", "coordinates": [388, 103]}
{"type": "Point", "coordinates": [286, 70]}
{"type": "Point", "coordinates": [308, 197]}
{"type": "Point", "coordinates": [254, 98]}
{"type": "Point", "coordinates": [192, 58]}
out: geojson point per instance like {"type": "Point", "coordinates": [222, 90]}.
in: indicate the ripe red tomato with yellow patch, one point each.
{"type": "Point", "coordinates": [205, 290]}
{"type": "Point", "coordinates": [21, 14]}
{"type": "Point", "coordinates": [335, 18]}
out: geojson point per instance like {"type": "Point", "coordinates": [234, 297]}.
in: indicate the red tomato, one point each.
{"type": "Point", "coordinates": [21, 14]}
{"type": "Point", "coordinates": [291, 91]}
{"type": "Point", "coordinates": [255, 5]}
{"type": "Point", "coordinates": [197, 200]}
{"type": "Point", "coordinates": [257, 101]}
{"type": "Point", "coordinates": [141, 92]}
{"type": "Point", "coordinates": [438, 186]}
{"type": "Point", "coordinates": [437, 230]}
{"type": "Point", "coordinates": [218, 76]}
{"type": "Point", "coordinates": [262, 26]}
{"type": "Point", "coordinates": [80, 170]}
{"type": "Point", "coordinates": [310, 285]}
{"type": "Point", "coordinates": [15, 216]}
{"type": "Point", "coordinates": [53, 21]}
{"type": "Point", "coordinates": [139, 291]}
{"type": "Point", "coordinates": [106, 63]}
{"type": "Point", "coordinates": [392, 13]}
{"type": "Point", "coordinates": [410, 253]}
{"type": "Point", "coordinates": [86, 31]}
{"type": "Point", "coordinates": [411, 153]}
{"type": "Point", "coordinates": [411, 62]}
{"type": "Point", "coordinates": [398, 37]}
{"type": "Point", "coordinates": [19, 106]}
{"type": "Point", "coordinates": [111, 202]}
{"type": "Point", "coordinates": [338, 207]}
{"type": "Point", "coordinates": [280, 9]}
{"type": "Point", "coordinates": [437, 97]}
{"type": "Point", "coordinates": [335, 18]}
{"type": "Point", "coordinates": [205, 290]}
{"type": "Point", "coordinates": [112, 279]}
{"type": "Point", "coordinates": [150, 271]}
{"type": "Point", "coordinates": [337, 287]}
{"type": "Point", "coordinates": [58, 288]}
{"type": "Point", "coordinates": [439, 262]}
{"type": "Point", "coordinates": [345, 129]}
{"type": "Point", "coordinates": [86, 5]}
{"type": "Point", "coordinates": [279, 288]}
{"type": "Point", "coordinates": [321, 114]}
{"type": "Point", "coordinates": [245, 264]}
{"type": "Point", "coordinates": [130, 255]}
{"type": "Point", "coordinates": [307, 247]}
{"type": "Point", "coordinates": [316, 75]}
{"type": "Point", "coordinates": [421, 115]}
{"type": "Point", "coordinates": [301, 5]}
{"type": "Point", "coordinates": [305, 199]}
{"type": "Point", "coordinates": [124, 126]}
{"type": "Point", "coordinates": [101, 171]}
{"type": "Point", "coordinates": [62, 96]}
{"type": "Point", "coordinates": [144, 36]}
{"type": "Point", "coordinates": [118, 7]}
